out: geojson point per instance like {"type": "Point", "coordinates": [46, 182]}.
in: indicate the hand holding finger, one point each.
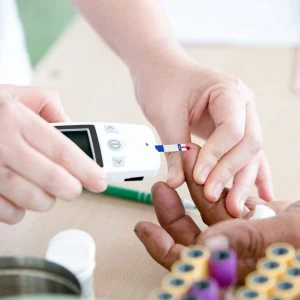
{"type": "Point", "coordinates": [210, 212]}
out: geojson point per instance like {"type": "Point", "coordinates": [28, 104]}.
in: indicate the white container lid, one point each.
{"type": "Point", "coordinates": [75, 250]}
{"type": "Point", "coordinates": [262, 212]}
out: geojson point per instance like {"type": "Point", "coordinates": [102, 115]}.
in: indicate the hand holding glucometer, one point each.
{"type": "Point", "coordinates": [37, 163]}
{"type": "Point", "coordinates": [125, 152]}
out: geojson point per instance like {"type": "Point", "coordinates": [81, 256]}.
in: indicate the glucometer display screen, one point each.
{"type": "Point", "coordinates": [81, 139]}
{"type": "Point", "coordinates": [86, 138]}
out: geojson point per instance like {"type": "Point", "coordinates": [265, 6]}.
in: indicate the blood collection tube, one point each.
{"type": "Point", "coordinates": [197, 255]}
{"type": "Point", "coordinates": [296, 260]}
{"type": "Point", "coordinates": [260, 282]}
{"type": "Point", "coordinates": [206, 289]}
{"type": "Point", "coordinates": [293, 274]}
{"type": "Point", "coordinates": [282, 252]}
{"type": "Point", "coordinates": [189, 297]}
{"type": "Point", "coordinates": [286, 289]}
{"type": "Point", "coordinates": [160, 294]}
{"type": "Point", "coordinates": [190, 272]}
{"type": "Point", "coordinates": [245, 293]}
{"type": "Point", "coordinates": [273, 268]}
{"type": "Point", "coordinates": [175, 285]}
{"type": "Point", "coordinates": [223, 267]}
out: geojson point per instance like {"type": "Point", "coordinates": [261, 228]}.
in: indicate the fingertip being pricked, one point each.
{"type": "Point", "coordinates": [175, 170]}
{"type": "Point", "coordinates": [175, 177]}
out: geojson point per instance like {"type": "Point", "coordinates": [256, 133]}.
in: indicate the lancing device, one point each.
{"type": "Point", "coordinates": [126, 152]}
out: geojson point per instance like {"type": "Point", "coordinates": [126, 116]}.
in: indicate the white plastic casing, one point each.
{"type": "Point", "coordinates": [135, 159]}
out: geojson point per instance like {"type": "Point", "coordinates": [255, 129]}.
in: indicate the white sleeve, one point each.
{"type": "Point", "coordinates": [15, 67]}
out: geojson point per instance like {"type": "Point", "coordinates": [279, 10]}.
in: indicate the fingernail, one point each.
{"type": "Point", "coordinates": [216, 191]}
{"type": "Point", "coordinates": [99, 186]}
{"type": "Point", "coordinates": [203, 174]}
{"type": "Point", "coordinates": [103, 186]}
{"type": "Point", "coordinates": [219, 242]}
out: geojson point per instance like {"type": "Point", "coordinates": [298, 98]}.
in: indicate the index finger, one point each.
{"type": "Point", "coordinates": [53, 144]}
{"type": "Point", "coordinates": [229, 114]}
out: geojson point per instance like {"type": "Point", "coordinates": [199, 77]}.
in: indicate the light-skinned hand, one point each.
{"type": "Point", "coordinates": [38, 163]}
{"type": "Point", "coordinates": [180, 97]}
{"type": "Point", "coordinates": [248, 237]}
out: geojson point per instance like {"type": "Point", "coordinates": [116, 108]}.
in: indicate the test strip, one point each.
{"type": "Point", "coordinates": [172, 148]}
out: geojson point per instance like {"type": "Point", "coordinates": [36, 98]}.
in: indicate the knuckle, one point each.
{"type": "Point", "coordinates": [50, 95]}
{"type": "Point", "coordinates": [256, 240]}
{"type": "Point", "coordinates": [236, 83]}
{"type": "Point", "coordinates": [228, 172]}
{"type": "Point", "coordinates": [7, 175]}
{"type": "Point", "coordinates": [235, 131]}
{"type": "Point", "coordinates": [214, 153]}
{"type": "Point", "coordinates": [62, 156]}
{"type": "Point", "coordinates": [254, 142]}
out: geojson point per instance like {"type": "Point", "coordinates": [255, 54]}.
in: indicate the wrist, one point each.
{"type": "Point", "coordinates": [152, 59]}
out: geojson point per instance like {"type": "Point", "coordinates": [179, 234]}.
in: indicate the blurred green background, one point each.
{"type": "Point", "coordinates": [44, 21]}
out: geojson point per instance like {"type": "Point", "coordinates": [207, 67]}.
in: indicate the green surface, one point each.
{"type": "Point", "coordinates": [44, 21]}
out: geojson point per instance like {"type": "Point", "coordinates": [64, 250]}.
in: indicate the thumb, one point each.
{"type": "Point", "coordinates": [251, 238]}
{"type": "Point", "coordinates": [173, 128]}
{"type": "Point", "coordinates": [211, 212]}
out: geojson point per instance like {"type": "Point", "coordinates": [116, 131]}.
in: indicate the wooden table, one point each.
{"type": "Point", "coordinates": [95, 85]}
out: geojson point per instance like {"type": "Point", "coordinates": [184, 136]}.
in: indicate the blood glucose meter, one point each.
{"type": "Point", "coordinates": [126, 152]}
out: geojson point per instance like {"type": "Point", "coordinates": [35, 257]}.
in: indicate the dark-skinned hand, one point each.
{"type": "Point", "coordinates": [249, 238]}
